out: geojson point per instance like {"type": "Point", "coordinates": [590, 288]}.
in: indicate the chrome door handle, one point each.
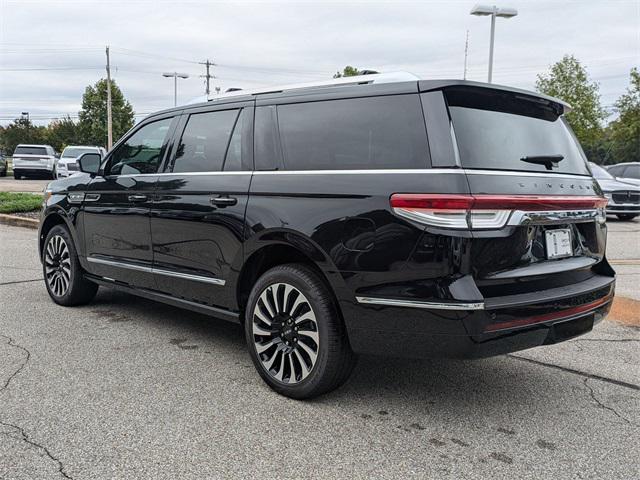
{"type": "Point", "coordinates": [223, 201]}
{"type": "Point", "coordinates": [137, 198]}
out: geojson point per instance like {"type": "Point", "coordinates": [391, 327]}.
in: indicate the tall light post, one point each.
{"type": "Point", "coordinates": [504, 12]}
{"type": "Point", "coordinates": [175, 76]}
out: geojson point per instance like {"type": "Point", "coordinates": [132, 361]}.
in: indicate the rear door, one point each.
{"type": "Point", "coordinates": [197, 221]}
{"type": "Point", "coordinates": [536, 209]}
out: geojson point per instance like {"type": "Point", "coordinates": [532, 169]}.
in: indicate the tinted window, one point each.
{"type": "Point", "coordinates": [142, 152]}
{"type": "Point", "coordinates": [31, 151]}
{"type": "Point", "coordinates": [233, 161]}
{"type": "Point", "coordinates": [267, 151]}
{"type": "Point", "coordinates": [204, 142]}
{"type": "Point", "coordinates": [497, 130]}
{"type": "Point", "coordinates": [362, 133]}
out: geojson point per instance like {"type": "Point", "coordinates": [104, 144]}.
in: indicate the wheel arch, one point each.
{"type": "Point", "coordinates": [281, 251]}
{"type": "Point", "coordinates": [51, 219]}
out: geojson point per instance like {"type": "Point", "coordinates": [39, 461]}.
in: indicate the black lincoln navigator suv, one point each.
{"type": "Point", "coordinates": [408, 218]}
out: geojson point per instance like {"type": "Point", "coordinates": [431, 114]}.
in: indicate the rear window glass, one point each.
{"type": "Point", "coordinates": [363, 133]}
{"type": "Point", "coordinates": [500, 131]}
{"type": "Point", "coordinates": [30, 151]}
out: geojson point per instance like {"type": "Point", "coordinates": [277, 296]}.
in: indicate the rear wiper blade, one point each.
{"type": "Point", "coordinates": [547, 160]}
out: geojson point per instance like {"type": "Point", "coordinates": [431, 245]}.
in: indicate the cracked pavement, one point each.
{"type": "Point", "coordinates": [128, 388]}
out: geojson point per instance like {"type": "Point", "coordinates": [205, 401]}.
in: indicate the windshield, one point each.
{"type": "Point", "coordinates": [30, 151]}
{"type": "Point", "coordinates": [599, 172]}
{"type": "Point", "coordinates": [74, 152]}
{"type": "Point", "coordinates": [503, 131]}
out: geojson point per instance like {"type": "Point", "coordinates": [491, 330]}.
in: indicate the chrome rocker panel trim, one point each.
{"type": "Point", "coordinates": [159, 271]}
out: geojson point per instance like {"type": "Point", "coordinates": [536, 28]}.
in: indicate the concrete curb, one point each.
{"type": "Point", "coordinates": [16, 221]}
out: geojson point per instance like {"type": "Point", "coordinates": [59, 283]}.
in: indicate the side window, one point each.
{"type": "Point", "coordinates": [142, 152]}
{"type": "Point", "coordinates": [233, 160]}
{"type": "Point", "coordinates": [204, 142]}
{"type": "Point", "coordinates": [362, 133]}
{"type": "Point", "coordinates": [616, 171]}
{"type": "Point", "coordinates": [266, 143]}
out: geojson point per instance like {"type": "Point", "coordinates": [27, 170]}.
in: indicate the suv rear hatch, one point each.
{"type": "Point", "coordinates": [534, 215]}
{"type": "Point", "coordinates": [540, 215]}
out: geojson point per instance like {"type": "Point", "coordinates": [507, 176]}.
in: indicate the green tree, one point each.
{"type": "Point", "coordinates": [20, 131]}
{"type": "Point", "coordinates": [568, 80]}
{"type": "Point", "coordinates": [93, 116]}
{"type": "Point", "coordinates": [348, 71]}
{"type": "Point", "coordinates": [61, 133]}
{"type": "Point", "coordinates": [624, 132]}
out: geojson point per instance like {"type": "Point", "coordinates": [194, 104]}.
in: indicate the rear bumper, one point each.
{"type": "Point", "coordinates": [503, 325]}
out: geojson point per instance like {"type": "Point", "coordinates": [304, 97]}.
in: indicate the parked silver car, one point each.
{"type": "Point", "coordinates": [34, 160]}
{"type": "Point", "coordinates": [624, 197]}
{"type": "Point", "coordinates": [68, 165]}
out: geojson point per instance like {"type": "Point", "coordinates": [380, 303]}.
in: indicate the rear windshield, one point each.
{"type": "Point", "coordinates": [498, 130]}
{"type": "Point", "coordinates": [75, 152]}
{"type": "Point", "coordinates": [30, 151]}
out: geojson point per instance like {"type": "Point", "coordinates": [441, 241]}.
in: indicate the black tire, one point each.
{"type": "Point", "coordinates": [17, 175]}
{"type": "Point", "coordinates": [627, 216]}
{"type": "Point", "coordinates": [334, 359]}
{"type": "Point", "coordinates": [63, 275]}
{"type": "Point", "coordinates": [4, 173]}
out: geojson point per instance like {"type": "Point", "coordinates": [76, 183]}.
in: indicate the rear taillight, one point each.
{"type": "Point", "coordinates": [482, 212]}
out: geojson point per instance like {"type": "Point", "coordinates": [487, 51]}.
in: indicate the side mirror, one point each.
{"type": "Point", "coordinates": [90, 163]}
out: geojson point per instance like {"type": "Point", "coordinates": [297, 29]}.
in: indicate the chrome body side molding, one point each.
{"type": "Point", "coordinates": [392, 302]}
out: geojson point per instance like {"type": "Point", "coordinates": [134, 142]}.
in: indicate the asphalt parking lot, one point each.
{"type": "Point", "coordinates": [127, 388]}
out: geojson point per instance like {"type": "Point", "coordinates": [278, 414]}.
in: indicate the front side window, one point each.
{"type": "Point", "coordinates": [204, 142]}
{"type": "Point", "coordinates": [632, 171]}
{"type": "Point", "coordinates": [361, 133]}
{"type": "Point", "coordinates": [142, 152]}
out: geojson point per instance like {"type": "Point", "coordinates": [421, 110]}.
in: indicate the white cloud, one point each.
{"type": "Point", "coordinates": [264, 43]}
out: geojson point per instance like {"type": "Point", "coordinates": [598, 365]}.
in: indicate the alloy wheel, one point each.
{"type": "Point", "coordinates": [57, 265]}
{"type": "Point", "coordinates": [285, 333]}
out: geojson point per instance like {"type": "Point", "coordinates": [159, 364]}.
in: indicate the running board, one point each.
{"type": "Point", "coordinates": [217, 312]}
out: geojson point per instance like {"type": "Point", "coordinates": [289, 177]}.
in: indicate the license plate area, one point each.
{"type": "Point", "coordinates": [558, 243]}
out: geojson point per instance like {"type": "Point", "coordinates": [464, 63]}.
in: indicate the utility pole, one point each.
{"type": "Point", "coordinates": [109, 120]}
{"type": "Point", "coordinates": [466, 52]}
{"type": "Point", "coordinates": [208, 76]}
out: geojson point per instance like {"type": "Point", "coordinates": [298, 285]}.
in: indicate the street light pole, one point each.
{"type": "Point", "coordinates": [175, 76]}
{"type": "Point", "coordinates": [494, 11]}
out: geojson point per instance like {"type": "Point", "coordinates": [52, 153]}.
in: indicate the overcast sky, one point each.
{"type": "Point", "coordinates": [51, 50]}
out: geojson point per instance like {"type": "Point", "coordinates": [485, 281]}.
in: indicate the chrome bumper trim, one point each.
{"type": "Point", "coordinates": [418, 304]}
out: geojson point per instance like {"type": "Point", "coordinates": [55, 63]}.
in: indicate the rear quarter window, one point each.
{"type": "Point", "coordinates": [363, 133]}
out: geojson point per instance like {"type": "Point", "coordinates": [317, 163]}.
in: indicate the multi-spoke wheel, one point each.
{"type": "Point", "coordinates": [63, 275]}
{"type": "Point", "coordinates": [285, 333]}
{"type": "Point", "coordinates": [296, 337]}
{"type": "Point", "coordinates": [57, 265]}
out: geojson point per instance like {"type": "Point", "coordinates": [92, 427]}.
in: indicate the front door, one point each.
{"type": "Point", "coordinates": [117, 204]}
{"type": "Point", "coordinates": [197, 220]}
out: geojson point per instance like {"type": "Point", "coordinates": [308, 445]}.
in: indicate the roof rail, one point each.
{"type": "Point", "coordinates": [369, 78]}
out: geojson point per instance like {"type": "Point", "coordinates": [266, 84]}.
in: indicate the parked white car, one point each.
{"type": "Point", "coordinates": [67, 165]}
{"type": "Point", "coordinates": [34, 160]}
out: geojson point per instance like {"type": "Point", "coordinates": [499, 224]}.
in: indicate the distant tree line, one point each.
{"type": "Point", "coordinates": [604, 143]}
{"type": "Point", "coordinates": [90, 129]}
